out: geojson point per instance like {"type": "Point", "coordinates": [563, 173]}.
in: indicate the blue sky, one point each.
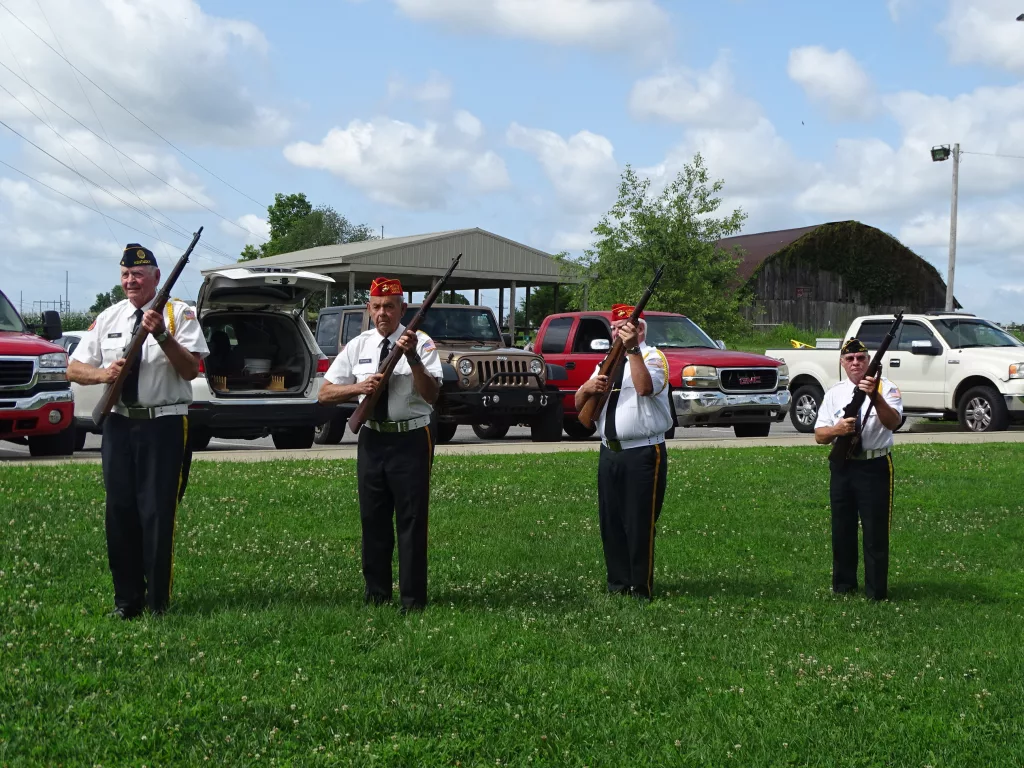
{"type": "Point", "coordinates": [512, 115]}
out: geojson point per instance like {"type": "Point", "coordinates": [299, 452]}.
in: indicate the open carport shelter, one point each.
{"type": "Point", "coordinates": [419, 261]}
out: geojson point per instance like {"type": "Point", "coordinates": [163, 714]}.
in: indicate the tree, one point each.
{"type": "Point", "coordinates": [542, 299]}
{"type": "Point", "coordinates": [677, 228]}
{"type": "Point", "coordinates": [285, 212]}
{"type": "Point", "coordinates": [109, 299]}
{"type": "Point", "coordinates": [296, 225]}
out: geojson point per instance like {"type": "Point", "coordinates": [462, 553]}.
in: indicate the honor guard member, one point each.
{"type": "Point", "coordinates": [145, 436]}
{"type": "Point", "coordinates": [396, 449]}
{"type": "Point", "coordinates": [863, 485]}
{"type": "Point", "coordinates": [632, 468]}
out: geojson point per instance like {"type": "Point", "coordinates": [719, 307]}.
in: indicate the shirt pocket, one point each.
{"type": "Point", "coordinates": [112, 349]}
{"type": "Point", "coordinates": [364, 370]}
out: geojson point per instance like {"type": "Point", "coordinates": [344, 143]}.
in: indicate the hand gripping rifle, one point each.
{"type": "Point", "coordinates": [387, 367]}
{"type": "Point", "coordinates": [847, 446]}
{"type": "Point", "coordinates": [615, 360]}
{"type": "Point", "coordinates": [112, 391]}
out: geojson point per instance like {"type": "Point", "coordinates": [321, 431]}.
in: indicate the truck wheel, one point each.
{"type": "Point", "coordinates": [577, 431]}
{"type": "Point", "coordinates": [752, 430]}
{"type": "Point", "coordinates": [982, 409]}
{"type": "Point", "coordinates": [445, 432]}
{"type": "Point", "coordinates": [330, 432]}
{"type": "Point", "coordinates": [804, 410]}
{"type": "Point", "coordinates": [547, 428]}
{"type": "Point", "coordinates": [61, 444]}
{"type": "Point", "coordinates": [490, 431]}
{"type": "Point", "coordinates": [294, 439]}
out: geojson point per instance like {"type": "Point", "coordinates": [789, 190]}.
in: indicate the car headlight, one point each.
{"type": "Point", "coordinates": [700, 376]}
{"type": "Point", "coordinates": [54, 360]}
{"type": "Point", "coordinates": [465, 366]}
{"type": "Point", "coordinates": [536, 366]}
{"type": "Point", "coordinates": [783, 374]}
{"type": "Point", "coordinates": [1017, 371]}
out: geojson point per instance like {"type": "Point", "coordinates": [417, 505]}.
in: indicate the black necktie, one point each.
{"type": "Point", "coordinates": [130, 391]}
{"type": "Point", "coordinates": [610, 432]}
{"type": "Point", "coordinates": [380, 410]}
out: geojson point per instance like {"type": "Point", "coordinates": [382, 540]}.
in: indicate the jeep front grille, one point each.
{"type": "Point", "coordinates": [485, 369]}
{"type": "Point", "coordinates": [749, 379]}
{"type": "Point", "coordinates": [15, 373]}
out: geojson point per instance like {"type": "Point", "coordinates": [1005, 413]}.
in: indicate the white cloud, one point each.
{"type": "Point", "coordinates": [469, 124]}
{"type": "Point", "coordinates": [250, 227]}
{"type": "Point", "coordinates": [582, 168]}
{"type": "Point", "coordinates": [436, 89]}
{"type": "Point", "coordinates": [639, 25]}
{"type": "Point", "coordinates": [834, 80]}
{"type": "Point", "coordinates": [698, 98]}
{"type": "Point", "coordinates": [400, 164]}
{"type": "Point", "coordinates": [990, 229]}
{"type": "Point", "coordinates": [984, 31]}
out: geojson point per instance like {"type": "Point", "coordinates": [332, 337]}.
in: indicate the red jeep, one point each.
{"type": "Point", "coordinates": [36, 404]}
{"type": "Point", "coordinates": [711, 387]}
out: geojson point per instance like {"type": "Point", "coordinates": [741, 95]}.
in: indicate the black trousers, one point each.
{"type": "Point", "coordinates": [630, 491]}
{"type": "Point", "coordinates": [143, 463]}
{"type": "Point", "coordinates": [393, 470]}
{"type": "Point", "coordinates": [861, 489]}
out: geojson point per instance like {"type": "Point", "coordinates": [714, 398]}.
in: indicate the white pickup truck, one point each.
{"type": "Point", "coordinates": [947, 365]}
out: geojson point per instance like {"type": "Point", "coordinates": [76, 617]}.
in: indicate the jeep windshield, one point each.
{"type": "Point", "coordinates": [9, 318]}
{"type": "Point", "coordinates": [445, 322]}
{"type": "Point", "coordinates": [667, 332]}
{"type": "Point", "coordinates": [963, 334]}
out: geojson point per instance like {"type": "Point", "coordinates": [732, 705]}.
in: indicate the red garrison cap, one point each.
{"type": "Point", "coordinates": [386, 286]}
{"type": "Point", "coordinates": [623, 311]}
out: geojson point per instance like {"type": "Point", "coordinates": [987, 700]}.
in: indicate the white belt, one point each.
{"type": "Point", "coordinates": [398, 426]}
{"type": "Point", "coordinates": [873, 454]}
{"type": "Point", "coordinates": [142, 412]}
{"type": "Point", "coordinates": [625, 445]}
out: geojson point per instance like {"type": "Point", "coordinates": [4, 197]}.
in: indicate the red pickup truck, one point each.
{"type": "Point", "coordinates": [36, 404]}
{"type": "Point", "coordinates": [711, 387]}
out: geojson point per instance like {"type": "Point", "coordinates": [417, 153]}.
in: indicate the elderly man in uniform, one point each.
{"type": "Point", "coordinates": [632, 468]}
{"type": "Point", "coordinates": [862, 486]}
{"type": "Point", "coordinates": [396, 449]}
{"type": "Point", "coordinates": [145, 437]}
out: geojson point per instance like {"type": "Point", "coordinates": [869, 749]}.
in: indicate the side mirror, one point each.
{"type": "Point", "coordinates": [506, 339]}
{"type": "Point", "coordinates": [52, 329]}
{"type": "Point", "coordinates": [923, 347]}
{"type": "Point", "coordinates": [720, 344]}
{"type": "Point", "coordinates": [600, 345]}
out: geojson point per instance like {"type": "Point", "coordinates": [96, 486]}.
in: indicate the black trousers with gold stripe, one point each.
{"type": "Point", "coordinates": [393, 470]}
{"type": "Point", "coordinates": [142, 472]}
{"type": "Point", "coordinates": [861, 489]}
{"type": "Point", "coordinates": [630, 490]}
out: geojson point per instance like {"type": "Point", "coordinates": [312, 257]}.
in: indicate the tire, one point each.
{"type": "Point", "coordinates": [294, 439]}
{"type": "Point", "coordinates": [548, 428]}
{"type": "Point", "coordinates": [330, 432]}
{"type": "Point", "coordinates": [804, 410]}
{"type": "Point", "coordinates": [982, 409]}
{"type": "Point", "coordinates": [577, 431]}
{"type": "Point", "coordinates": [80, 435]}
{"type": "Point", "coordinates": [60, 444]}
{"type": "Point", "coordinates": [445, 432]}
{"type": "Point", "coordinates": [491, 431]}
{"type": "Point", "coordinates": [760, 429]}
{"type": "Point", "coordinates": [199, 438]}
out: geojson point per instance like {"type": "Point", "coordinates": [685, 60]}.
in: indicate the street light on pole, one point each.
{"type": "Point", "coordinates": [938, 155]}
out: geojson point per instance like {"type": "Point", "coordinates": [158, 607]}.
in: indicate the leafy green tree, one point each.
{"type": "Point", "coordinates": [542, 298]}
{"type": "Point", "coordinates": [285, 212]}
{"type": "Point", "coordinates": [109, 299]}
{"type": "Point", "coordinates": [295, 225]}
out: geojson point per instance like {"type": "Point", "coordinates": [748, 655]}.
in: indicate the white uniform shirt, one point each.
{"type": "Point", "coordinates": [873, 435]}
{"type": "Point", "coordinates": [639, 417]}
{"type": "Point", "coordinates": [361, 357]}
{"type": "Point", "coordinates": [159, 384]}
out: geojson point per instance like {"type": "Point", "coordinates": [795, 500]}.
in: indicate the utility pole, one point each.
{"type": "Point", "coordinates": [67, 296]}
{"type": "Point", "coordinates": [952, 229]}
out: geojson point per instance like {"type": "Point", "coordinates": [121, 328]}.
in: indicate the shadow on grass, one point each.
{"type": "Point", "coordinates": [937, 591]}
{"type": "Point", "coordinates": [725, 588]}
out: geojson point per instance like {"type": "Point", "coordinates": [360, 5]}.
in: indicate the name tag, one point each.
{"type": "Point", "coordinates": [364, 360]}
{"type": "Point", "coordinates": [113, 335]}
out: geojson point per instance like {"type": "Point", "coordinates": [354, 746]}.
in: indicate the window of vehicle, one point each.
{"type": "Point", "coordinates": [871, 332]}
{"type": "Point", "coordinates": [962, 333]}
{"type": "Point", "coordinates": [911, 332]}
{"type": "Point", "coordinates": [667, 332]}
{"type": "Point", "coordinates": [9, 318]}
{"type": "Point", "coordinates": [352, 326]}
{"type": "Point", "coordinates": [591, 329]}
{"type": "Point", "coordinates": [327, 329]}
{"type": "Point", "coordinates": [556, 335]}
{"type": "Point", "coordinates": [452, 323]}
{"type": "Point", "coordinates": [72, 343]}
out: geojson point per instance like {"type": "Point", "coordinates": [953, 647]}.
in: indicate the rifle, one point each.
{"type": "Point", "coordinates": [387, 366]}
{"type": "Point", "coordinates": [846, 446]}
{"type": "Point", "coordinates": [615, 360]}
{"type": "Point", "coordinates": [112, 391]}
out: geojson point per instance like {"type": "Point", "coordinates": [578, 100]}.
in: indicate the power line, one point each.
{"type": "Point", "coordinates": [992, 154]}
{"type": "Point", "coordinates": [122, 106]}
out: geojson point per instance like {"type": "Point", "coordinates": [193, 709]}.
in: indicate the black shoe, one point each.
{"type": "Point", "coordinates": [639, 596]}
{"type": "Point", "coordinates": [414, 608]}
{"type": "Point", "coordinates": [376, 599]}
{"type": "Point", "coordinates": [618, 590]}
{"type": "Point", "coordinates": [125, 614]}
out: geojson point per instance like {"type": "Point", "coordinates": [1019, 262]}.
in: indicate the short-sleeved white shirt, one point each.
{"type": "Point", "coordinates": [159, 384]}
{"type": "Point", "coordinates": [873, 434]}
{"type": "Point", "coordinates": [361, 357]}
{"type": "Point", "coordinates": [638, 417]}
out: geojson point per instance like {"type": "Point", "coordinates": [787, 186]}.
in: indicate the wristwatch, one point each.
{"type": "Point", "coordinates": [162, 337]}
{"type": "Point", "coordinates": [413, 358]}
{"type": "Point", "coordinates": [633, 350]}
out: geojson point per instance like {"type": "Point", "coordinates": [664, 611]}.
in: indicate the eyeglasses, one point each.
{"type": "Point", "coordinates": [855, 358]}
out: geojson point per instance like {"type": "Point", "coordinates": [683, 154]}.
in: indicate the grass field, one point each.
{"type": "Point", "coordinates": [744, 658]}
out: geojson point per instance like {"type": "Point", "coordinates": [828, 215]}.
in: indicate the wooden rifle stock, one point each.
{"type": "Point", "coordinates": [112, 391]}
{"type": "Point", "coordinates": [614, 361]}
{"type": "Point", "coordinates": [846, 446]}
{"type": "Point", "coordinates": [365, 408]}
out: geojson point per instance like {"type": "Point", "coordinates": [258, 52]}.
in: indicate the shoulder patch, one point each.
{"type": "Point", "coordinates": [189, 314]}
{"type": "Point", "coordinates": [92, 325]}
{"type": "Point", "coordinates": [428, 345]}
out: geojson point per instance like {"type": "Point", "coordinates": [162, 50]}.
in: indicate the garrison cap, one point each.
{"type": "Point", "coordinates": [623, 311]}
{"type": "Point", "coordinates": [853, 345]}
{"type": "Point", "coordinates": [136, 256]}
{"type": "Point", "coordinates": [386, 286]}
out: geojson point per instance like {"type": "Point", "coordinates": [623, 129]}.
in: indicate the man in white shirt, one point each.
{"type": "Point", "coordinates": [863, 485]}
{"type": "Point", "coordinates": [396, 449]}
{"type": "Point", "coordinates": [145, 437]}
{"type": "Point", "coordinates": [632, 469]}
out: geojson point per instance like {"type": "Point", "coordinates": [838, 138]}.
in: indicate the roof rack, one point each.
{"type": "Point", "coordinates": [949, 312]}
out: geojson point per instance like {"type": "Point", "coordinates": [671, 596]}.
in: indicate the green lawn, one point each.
{"type": "Point", "coordinates": [745, 658]}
